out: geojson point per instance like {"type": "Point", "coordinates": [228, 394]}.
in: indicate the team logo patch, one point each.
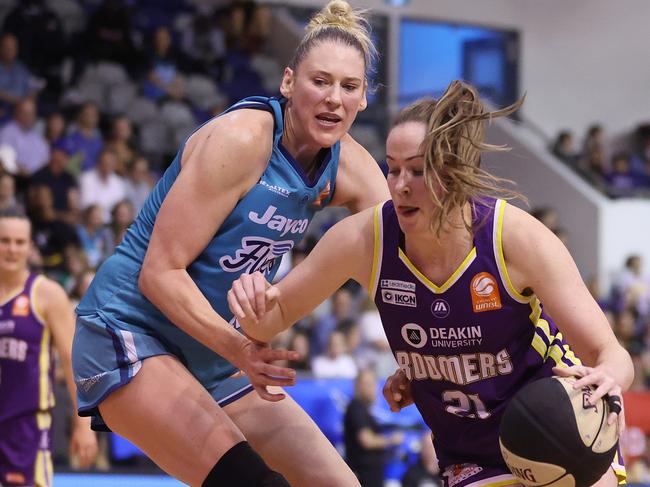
{"type": "Point", "coordinates": [256, 254]}
{"type": "Point", "coordinates": [457, 473]}
{"type": "Point", "coordinates": [399, 298]}
{"type": "Point", "coordinates": [485, 293]}
{"type": "Point", "coordinates": [440, 308]}
{"type": "Point", "coordinates": [21, 306]}
{"type": "Point", "coordinates": [414, 335]}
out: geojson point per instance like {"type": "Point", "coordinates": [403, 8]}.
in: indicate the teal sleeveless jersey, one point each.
{"type": "Point", "coordinates": [266, 223]}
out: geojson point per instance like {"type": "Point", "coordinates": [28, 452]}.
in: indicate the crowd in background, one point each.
{"type": "Point", "coordinates": [618, 168]}
{"type": "Point", "coordinates": [96, 97]}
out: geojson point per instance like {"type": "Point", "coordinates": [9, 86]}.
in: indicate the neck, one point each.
{"type": "Point", "coordinates": [302, 152]}
{"type": "Point", "coordinates": [12, 280]}
{"type": "Point", "coordinates": [455, 241]}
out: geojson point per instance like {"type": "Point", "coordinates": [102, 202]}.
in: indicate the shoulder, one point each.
{"type": "Point", "coordinates": [247, 131]}
{"type": "Point", "coordinates": [520, 230]}
{"type": "Point", "coordinates": [48, 294]}
{"type": "Point", "coordinates": [352, 151]}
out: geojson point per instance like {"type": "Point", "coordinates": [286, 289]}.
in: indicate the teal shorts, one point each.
{"type": "Point", "coordinates": [105, 357]}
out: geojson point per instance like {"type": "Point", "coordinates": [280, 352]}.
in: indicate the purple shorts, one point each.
{"type": "Point", "coordinates": [471, 475]}
{"type": "Point", "coordinates": [25, 457]}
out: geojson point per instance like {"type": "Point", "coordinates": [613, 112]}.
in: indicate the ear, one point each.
{"type": "Point", "coordinates": [363, 104]}
{"type": "Point", "coordinates": [286, 87]}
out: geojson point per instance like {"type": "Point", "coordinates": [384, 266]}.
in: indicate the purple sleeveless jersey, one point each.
{"type": "Point", "coordinates": [468, 345]}
{"type": "Point", "coordinates": [26, 371]}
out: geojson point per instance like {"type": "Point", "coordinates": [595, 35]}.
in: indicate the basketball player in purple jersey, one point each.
{"type": "Point", "coordinates": [458, 277]}
{"type": "Point", "coordinates": [34, 314]}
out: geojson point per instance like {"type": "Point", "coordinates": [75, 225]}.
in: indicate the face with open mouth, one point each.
{"type": "Point", "coordinates": [408, 191]}
{"type": "Point", "coordinates": [326, 91]}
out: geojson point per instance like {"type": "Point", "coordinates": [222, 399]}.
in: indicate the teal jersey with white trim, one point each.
{"type": "Point", "coordinates": [266, 223]}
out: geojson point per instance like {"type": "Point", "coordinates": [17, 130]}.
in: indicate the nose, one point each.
{"type": "Point", "coordinates": [402, 183]}
{"type": "Point", "coordinates": [334, 96]}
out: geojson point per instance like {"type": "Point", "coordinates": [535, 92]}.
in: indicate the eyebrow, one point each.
{"type": "Point", "coordinates": [410, 158]}
{"type": "Point", "coordinates": [329, 75]}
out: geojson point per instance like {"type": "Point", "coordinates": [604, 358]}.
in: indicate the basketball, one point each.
{"type": "Point", "coordinates": [551, 436]}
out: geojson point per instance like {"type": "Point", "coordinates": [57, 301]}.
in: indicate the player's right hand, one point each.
{"type": "Point", "coordinates": [249, 298]}
{"type": "Point", "coordinates": [256, 361]}
{"type": "Point", "coordinates": [397, 391]}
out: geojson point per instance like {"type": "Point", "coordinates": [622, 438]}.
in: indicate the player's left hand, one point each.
{"type": "Point", "coordinates": [83, 443]}
{"type": "Point", "coordinates": [605, 386]}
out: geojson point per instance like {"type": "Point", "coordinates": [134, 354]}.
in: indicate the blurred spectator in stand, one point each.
{"type": "Point", "coordinates": [425, 472]}
{"type": "Point", "coordinates": [32, 150]}
{"type": "Point", "coordinates": [139, 183]}
{"type": "Point", "coordinates": [121, 142]}
{"type": "Point", "coordinates": [16, 81]}
{"type": "Point", "coordinates": [51, 235]}
{"type": "Point", "coordinates": [122, 216]}
{"type": "Point", "coordinates": [620, 179]}
{"type": "Point", "coordinates": [56, 176]}
{"type": "Point", "coordinates": [101, 185]}
{"type": "Point", "coordinates": [75, 264]}
{"type": "Point", "coordinates": [374, 351]}
{"type": "Point", "coordinates": [8, 194]}
{"type": "Point", "coordinates": [163, 76]}
{"type": "Point", "coordinates": [563, 148]}
{"type": "Point", "coordinates": [341, 309]}
{"type": "Point", "coordinates": [55, 126]}
{"type": "Point", "coordinates": [93, 236]}
{"type": "Point", "coordinates": [365, 446]}
{"type": "Point", "coordinates": [42, 43]}
{"type": "Point", "coordinates": [335, 362]}
{"type": "Point", "coordinates": [109, 36]}
{"type": "Point", "coordinates": [300, 343]}
{"type": "Point", "coordinates": [204, 44]}
{"type": "Point", "coordinates": [84, 141]}
{"type": "Point", "coordinates": [632, 287]}
{"type": "Point", "coordinates": [548, 216]}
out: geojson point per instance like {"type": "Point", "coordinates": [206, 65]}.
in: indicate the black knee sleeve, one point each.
{"type": "Point", "coordinates": [241, 466]}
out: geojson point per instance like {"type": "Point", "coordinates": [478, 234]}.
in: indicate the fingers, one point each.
{"type": "Point", "coordinates": [239, 302]}
{"type": "Point", "coordinates": [266, 395]}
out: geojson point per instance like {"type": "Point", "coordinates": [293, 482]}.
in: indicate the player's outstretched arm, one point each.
{"type": "Point", "coordinates": [538, 260]}
{"type": "Point", "coordinates": [344, 252]}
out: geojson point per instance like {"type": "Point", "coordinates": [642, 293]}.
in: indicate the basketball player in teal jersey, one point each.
{"type": "Point", "coordinates": [35, 318]}
{"type": "Point", "coordinates": [155, 358]}
{"type": "Point", "coordinates": [459, 278]}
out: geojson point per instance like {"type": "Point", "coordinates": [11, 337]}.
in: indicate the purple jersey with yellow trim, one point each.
{"type": "Point", "coordinates": [467, 345]}
{"type": "Point", "coordinates": [26, 371]}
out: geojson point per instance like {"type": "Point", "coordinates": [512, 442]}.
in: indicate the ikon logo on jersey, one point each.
{"type": "Point", "coordinates": [414, 335]}
{"type": "Point", "coordinates": [21, 306]}
{"type": "Point", "coordinates": [399, 298]}
{"type": "Point", "coordinates": [485, 292]}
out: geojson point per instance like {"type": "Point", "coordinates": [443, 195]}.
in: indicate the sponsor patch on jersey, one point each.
{"type": "Point", "coordinates": [7, 326]}
{"type": "Point", "coordinates": [399, 298]}
{"type": "Point", "coordinates": [16, 478]}
{"type": "Point", "coordinates": [485, 292]}
{"type": "Point", "coordinates": [440, 308]}
{"type": "Point", "coordinates": [274, 188]}
{"type": "Point", "coordinates": [414, 335]}
{"type": "Point", "coordinates": [325, 192]}
{"type": "Point", "coordinates": [395, 284]}
{"type": "Point", "coordinates": [21, 306]}
{"type": "Point", "coordinates": [457, 473]}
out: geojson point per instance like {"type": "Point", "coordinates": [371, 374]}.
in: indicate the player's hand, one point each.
{"type": "Point", "coordinates": [605, 386]}
{"type": "Point", "coordinates": [83, 443]}
{"type": "Point", "coordinates": [397, 391]}
{"type": "Point", "coordinates": [249, 298]}
{"type": "Point", "coordinates": [256, 361]}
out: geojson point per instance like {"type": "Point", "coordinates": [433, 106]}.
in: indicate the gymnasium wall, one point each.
{"type": "Point", "coordinates": [583, 61]}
